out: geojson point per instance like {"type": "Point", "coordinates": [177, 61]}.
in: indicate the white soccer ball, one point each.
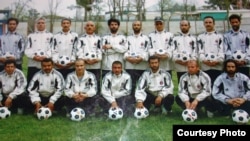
{"type": "Point", "coordinates": [63, 60]}
{"type": "Point", "coordinates": [4, 112]}
{"type": "Point", "coordinates": [115, 113]}
{"type": "Point", "coordinates": [91, 55]}
{"type": "Point", "coordinates": [240, 116]}
{"type": "Point", "coordinates": [160, 51]}
{"type": "Point", "coordinates": [239, 55]}
{"type": "Point", "coordinates": [8, 54]}
{"type": "Point", "coordinates": [134, 54]}
{"type": "Point", "coordinates": [141, 113]}
{"type": "Point", "coordinates": [77, 114]}
{"type": "Point", "coordinates": [183, 56]}
{"type": "Point", "coordinates": [189, 115]}
{"type": "Point", "coordinates": [44, 113]}
{"type": "Point", "coordinates": [211, 57]}
{"type": "Point", "coordinates": [39, 53]}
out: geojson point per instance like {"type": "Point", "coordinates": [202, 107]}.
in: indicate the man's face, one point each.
{"type": "Point", "coordinates": [113, 27]}
{"type": "Point", "coordinates": [90, 28]}
{"type": "Point", "coordinates": [12, 25]}
{"type": "Point", "coordinates": [47, 67]}
{"type": "Point", "coordinates": [40, 25]}
{"type": "Point", "coordinates": [209, 24]}
{"type": "Point", "coordinates": [79, 66]}
{"type": "Point", "coordinates": [65, 25]}
{"type": "Point", "coordinates": [154, 64]}
{"type": "Point", "coordinates": [184, 26]}
{"type": "Point", "coordinates": [235, 23]}
{"type": "Point", "coordinates": [193, 68]}
{"type": "Point", "coordinates": [9, 68]}
{"type": "Point", "coordinates": [230, 68]}
{"type": "Point", "coordinates": [117, 69]}
{"type": "Point", "coordinates": [159, 26]}
{"type": "Point", "coordinates": [137, 27]}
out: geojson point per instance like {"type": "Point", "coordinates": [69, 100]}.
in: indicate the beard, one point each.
{"type": "Point", "coordinates": [236, 28]}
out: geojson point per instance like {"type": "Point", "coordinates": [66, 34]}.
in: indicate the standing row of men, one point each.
{"type": "Point", "coordinates": [99, 54]}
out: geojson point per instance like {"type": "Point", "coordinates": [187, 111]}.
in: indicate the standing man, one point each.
{"type": "Point", "coordinates": [161, 44]}
{"type": "Point", "coordinates": [232, 89]}
{"type": "Point", "coordinates": [12, 87]}
{"type": "Point", "coordinates": [89, 49]}
{"type": "Point", "coordinates": [137, 55]}
{"type": "Point", "coordinates": [116, 89]}
{"type": "Point", "coordinates": [65, 44]}
{"type": "Point", "coordinates": [237, 39]}
{"type": "Point", "coordinates": [11, 45]}
{"type": "Point", "coordinates": [194, 91]}
{"type": "Point", "coordinates": [113, 46]}
{"type": "Point", "coordinates": [81, 89]}
{"type": "Point", "coordinates": [210, 43]}
{"type": "Point", "coordinates": [39, 41]}
{"type": "Point", "coordinates": [155, 87]}
{"type": "Point", "coordinates": [46, 87]}
{"type": "Point", "coordinates": [184, 45]}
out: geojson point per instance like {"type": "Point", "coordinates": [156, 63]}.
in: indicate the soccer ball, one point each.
{"type": "Point", "coordinates": [211, 57]}
{"type": "Point", "coordinates": [115, 113]}
{"type": "Point", "coordinates": [141, 113]}
{"type": "Point", "coordinates": [63, 60]}
{"type": "Point", "coordinates": [77, 114]}
{"type": "Point", "coordinates": [239, 55]}
{"type": "Point", "coordinates": [40, 53]}
{"type": "Point", "coordinates": [189, 115]}
{"type": "Point", "coordinates": [160, 51]}
{"type": "Point", "coordinates": [91, 55]}
{"type": "Point", "coordinates": [44, 113]}
{"type": "Point", "coordinates": [183, 56]}
{"type": "Point", "coordinates": [8, 54]}
{"type": "Point", "coordinates": [134, 54]}
{"type": "Point", "coordinates": [240, 116]}
{"type": "Point", "coordinates": [4, 112]}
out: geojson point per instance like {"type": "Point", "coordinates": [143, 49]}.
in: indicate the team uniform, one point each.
{"type": "Point", "coordinates": [13, 86]}
{"type": "Point", "coordinates": [151, 85]}
{"type": "Point", "coordinates": [117, 88]}
{"type": "Point", "coordinates": [89, 47]}
{"type": "Point", "coordinates": [211, 43]}
{"type": "Point", "coordinates": [183, 44]}
{"type": "Point", "coordinates": [234, 41]}
{"type": "Point", "coordinates": [47, 87]}
{"type": "Point", "coordinates": [197, 86]}
{"type": "Point", "coordinates": [14, 44]}
{"type": "Point", "coordinates": [39, 41]}
{"type": "Point", "coordinates": [118, 43]}
{"type": "Point", "coordinates": [138, 45]}
{"type": "Point", "coordinates": [162, 40]}
{"type": "Point", "coordinates": [226, 87]}
{"type": "Point", "coordinates": [65, 44]}
{"type": "Point", "coordinates": [86, 85]}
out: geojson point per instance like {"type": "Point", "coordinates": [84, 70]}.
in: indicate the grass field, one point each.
{"type": "Point", "coordinates": [157, 127]}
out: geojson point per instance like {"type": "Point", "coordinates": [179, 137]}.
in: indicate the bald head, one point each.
{"type": "Point", "coordinates": [185, 26]}
{"type": "Point", "coordinates": [90, 27]}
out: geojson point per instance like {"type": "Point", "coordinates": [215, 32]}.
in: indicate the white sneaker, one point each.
{"type": "Point", "coordinates": [210, 114]}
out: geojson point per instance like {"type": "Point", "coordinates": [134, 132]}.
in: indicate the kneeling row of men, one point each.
{"type": "Point", "coordinates": [231, 90]}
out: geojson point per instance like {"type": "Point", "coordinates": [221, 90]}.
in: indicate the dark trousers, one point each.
{"type": "Point", "coordinates": [31, 72]}
{"type": "Point", "coordinates": [135, 75]}
{"type": "Point", "coordinates": [213, 74]}
{"type": "Point", "coordinates": [59, 104]}
{"type": "Point", "coordinates": [179, 74]}
{"type": "Point", "coordinates": [19, 102]}
{"type": "Point", "coordinates": [97, 73]}
{"type": "Point", "coordinates": [226, 110]}
{"type": "Point", "coordinates": [65, 72]}
{"type": "Point", "coordinates": [244, 70]}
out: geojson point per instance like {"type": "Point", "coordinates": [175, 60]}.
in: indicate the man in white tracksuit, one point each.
{"type": "Point", "coordinates": [81, 89]}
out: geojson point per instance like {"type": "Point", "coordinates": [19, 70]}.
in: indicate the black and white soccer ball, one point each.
{"type": "Point", "coordinates": [239, 55]}
{"type": "Point", "coordinates": [240, 116]}
{"type": "Point", "coordinates": [77, 114]}
{"type": "Point", "coordinates": [44, 113]}
{"type": "Point", "coordinates": [63, 60]}
{"type": "Point", "coordinates": [134, 54]}
{"type": "Point", "coordinates": [115, 113]}
{"type": "Point", "coordinates": [4, 112]}
{"type": "Point", "coordinates": [39, 53]}
{"type": "Point", "coordinates": [8, 54]}
{"type": "Point", "coordinates": [211, 57]}
{"type": "Point", "coordinates": [189, 115]}
{"type": "Point", "coordinates": [90, 55]}
{"type": "Point", "coordinates": [141, 113]}
{"type": "Point", "coordinates": [161, 51]}
{"type": "Point", "coordinates": [183, 56]}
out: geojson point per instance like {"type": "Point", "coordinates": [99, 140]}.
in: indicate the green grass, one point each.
{"type": "Point", "coordinates": [157, 127]}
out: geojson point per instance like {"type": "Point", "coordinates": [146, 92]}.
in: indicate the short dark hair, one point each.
{"type": "Point", "coordinates": [234, 16]}
{"type": "Point", "coordinates": [13, 19]}
{"type": "Point", "coordinates": [117, 62]}
{"type": "Point", "coordinates": [65, 19]}
{"type": "Point", "coordinates": [153, 58]}
{"type": "Point", "coordinates": [229, 61]}
{"type": "Point", "coordinates": [206, 17]}
{"type": "Point", "coordinates": [47, 60]}
{"type": "Point", "coordinates": [113, 20]}
{"type": "Point", "coordinates": [7, 62]}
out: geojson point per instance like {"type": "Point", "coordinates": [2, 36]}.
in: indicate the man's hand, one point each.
{"type": "Point", "coordinates": [158, 101]}
{"type": "Point", "coordinates": [194, 104]}
{"type": "Point", "coordinates": [50, 106]}
{"type": "Point", "coordinates": [8, 102]}
{"type": "Point", "coordinates": [139, 105]}
{"type": "Point", "coordinates": [38, 105]}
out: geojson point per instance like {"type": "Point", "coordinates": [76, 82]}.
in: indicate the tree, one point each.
{"type": "Point", "coordinates": [53, 7]}
{"type": "Point", "coordinates": [165, 5]}
{"type": "Point", "coordinates": [19, 8]}
{"type": "Point", "coordinates": [87, 5]}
